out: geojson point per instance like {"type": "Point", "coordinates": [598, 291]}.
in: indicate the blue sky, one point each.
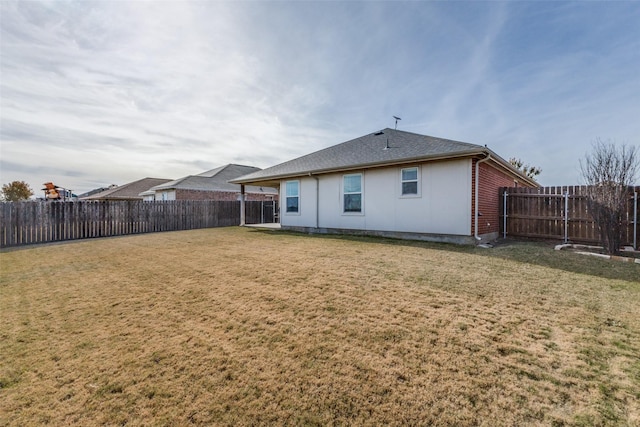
{"type": "Point", "coordinates": [99, 93]}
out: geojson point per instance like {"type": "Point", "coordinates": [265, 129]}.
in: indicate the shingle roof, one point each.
{"type": "Point", "coordinates": [366, 151]}
{"type": "Point", "coordinates": [129, 191]}
{"type": "Point", "coordinates": [215, 180]}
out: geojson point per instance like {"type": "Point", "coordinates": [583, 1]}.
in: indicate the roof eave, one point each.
{"type": "Point", "coordinates": [408, 160]}
{"type": "Point", "coordinates": [512, 169]}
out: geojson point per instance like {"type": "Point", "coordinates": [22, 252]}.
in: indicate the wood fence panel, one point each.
{"type": "Point", "coordinates": [549, 212]}
{"type": "Point", "coordinates": [23, 223]}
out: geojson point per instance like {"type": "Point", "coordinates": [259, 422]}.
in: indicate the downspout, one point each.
{"type": "Point", "coordinates": [317, 200]}
{"type": "Point", "coordinates": [477, 185]}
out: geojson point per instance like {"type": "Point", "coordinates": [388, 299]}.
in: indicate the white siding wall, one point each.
{"type": "Point", "coordinates": [307, 205]}
{"type": "Point", "coordinates": [442, 207]}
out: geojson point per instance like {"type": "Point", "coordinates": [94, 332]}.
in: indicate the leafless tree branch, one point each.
{"type": "Point", "coordinates": [609, 171]}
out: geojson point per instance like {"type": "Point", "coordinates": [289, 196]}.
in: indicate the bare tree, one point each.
{"type": "Point", "coordinates": [609, 171]}
{"type": "Point", "coordinates": [531, 171]}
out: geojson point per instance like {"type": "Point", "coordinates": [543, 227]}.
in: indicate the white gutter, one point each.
{"type": "Point", "coordinates": [317, 199]}
{"type": "Point", "coordinates": [410, 160]}
{"type": "Point", "coordinates": [477, 185]}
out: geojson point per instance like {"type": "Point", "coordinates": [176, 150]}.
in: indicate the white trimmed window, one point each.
{"type": "Point", "coordinates": [352, 193]}
{"type": "Point", "coordinates": [292, 197]}
{"type": "Point", "coordinates": [409, 181]}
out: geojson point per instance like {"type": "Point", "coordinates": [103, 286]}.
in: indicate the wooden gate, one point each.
{"type": "Point", "coordinates": [560, 213]}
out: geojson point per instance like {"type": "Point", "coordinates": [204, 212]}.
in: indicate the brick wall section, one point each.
{"type": "Point", "coordinates": [491, 180]}
{"type": "Point", "coordinates": [221, 195]}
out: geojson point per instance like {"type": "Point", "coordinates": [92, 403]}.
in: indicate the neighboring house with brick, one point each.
{"type": "Point", "coordinates": [129, 191]}
{"type": "Point", "coordinates": [394, 183]}
{"type": "Point", "coordinates": [211, 185]}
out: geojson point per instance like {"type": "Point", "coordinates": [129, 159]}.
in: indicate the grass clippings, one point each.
{"type": "Point", "coordinates": [242, 327]}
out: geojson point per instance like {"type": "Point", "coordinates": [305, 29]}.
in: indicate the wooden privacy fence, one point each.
{"type": "Point", "coordinates": [23, 223]}
{"type": "Point", "coordinates": [560, 213]}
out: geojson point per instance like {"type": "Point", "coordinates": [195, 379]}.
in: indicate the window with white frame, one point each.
{"type": "Point", "coordinates": [292, 197]}
{"type": "Point", "coordinates": [409, 181]}
{"type": "Point", "coordinates": [352, 193]}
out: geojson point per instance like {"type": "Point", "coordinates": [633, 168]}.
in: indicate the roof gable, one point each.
{"type": "Point", "coordinates": [388, 146]}
{"type": "Point", "coordinates": [213, 180]}
{"type": "Point", "coordinates": [129, 191]}
{"type": "Point", "coordinates": [384, 148]}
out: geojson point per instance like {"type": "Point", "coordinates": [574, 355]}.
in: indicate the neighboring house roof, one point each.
{"type": "Point", "coordinates": [96, 191]}
{"type": "Point", "coordinates": [386, 147]}
{"type": "Point", "coordinates": [129, 191]}
{"type": "Point", "coordinates": [214, 180]}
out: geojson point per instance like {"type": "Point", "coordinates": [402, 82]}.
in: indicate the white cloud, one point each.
{"type": "Point", "coordinates": [109, 92]}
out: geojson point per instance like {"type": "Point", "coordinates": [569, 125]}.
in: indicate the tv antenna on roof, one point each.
{"type": "Point", "coordinates": [397, 118]}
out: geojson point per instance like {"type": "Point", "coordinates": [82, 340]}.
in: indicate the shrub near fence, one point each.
{"type": "Point", "coordinates": [23, 223]}
{"type": "Point", "coordinates": [560, 213]}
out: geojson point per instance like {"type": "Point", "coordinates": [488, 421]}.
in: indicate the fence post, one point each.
{"type": "Point", "coordinates": [504, 214]}
{"type": "Point", "coordinates": [566, 216]}
{"type": "Point", "coordinates": [242, 206]}
{"type": "Point", "coordinates": [635, 220]}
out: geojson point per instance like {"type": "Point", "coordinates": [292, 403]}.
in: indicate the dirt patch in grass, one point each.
{"type": "Point", "coordinates": [236, 327]}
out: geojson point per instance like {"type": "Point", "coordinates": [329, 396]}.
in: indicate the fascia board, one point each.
{"type": "Point", "coordinates": [461, 154]}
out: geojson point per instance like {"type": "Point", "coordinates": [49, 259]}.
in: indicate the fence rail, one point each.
{"type": "Point", "coordinates": [560, 213]}
{"type": "Point", "coordinates": [24, 223]}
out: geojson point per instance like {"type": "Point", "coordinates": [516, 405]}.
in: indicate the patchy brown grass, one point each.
{"type": "Point", "coordinates": [241, 327]}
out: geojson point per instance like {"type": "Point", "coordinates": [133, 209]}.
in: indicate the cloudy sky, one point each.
{"type": "Point", "coordinates": [97, 93]}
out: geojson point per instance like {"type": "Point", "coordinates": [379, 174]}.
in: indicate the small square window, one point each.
{"type": "Point", "coordinates": [409, 180]}
{"type": "Point", "coordinates": [409, 188]}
